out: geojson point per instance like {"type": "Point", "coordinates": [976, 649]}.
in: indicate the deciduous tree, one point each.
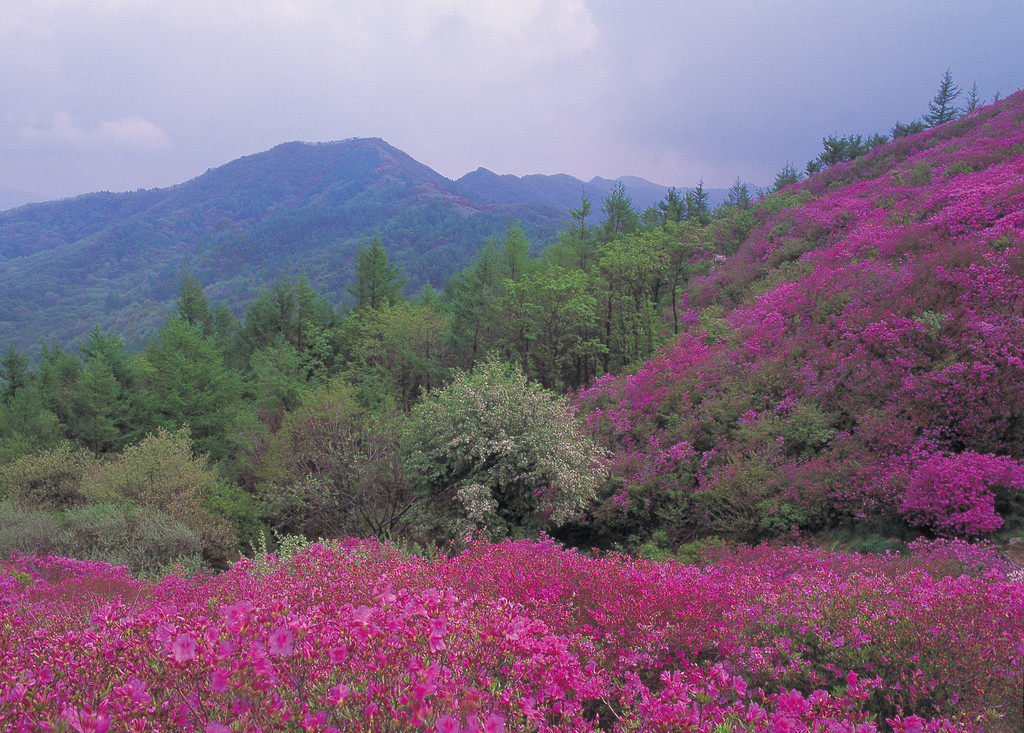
{"type": "Point", "coordinates": [494, 450]}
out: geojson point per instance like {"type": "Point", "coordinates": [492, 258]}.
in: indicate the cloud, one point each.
{"type": "Point", "coordinates": [132, 133]}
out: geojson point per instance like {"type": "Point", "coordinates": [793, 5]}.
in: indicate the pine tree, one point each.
{"type": "Point", "coordinates": [672, 208]}
{"type": "Point", "coordinates": [14, 371]}
{"type": "Point", "coordinates": [193, 305]}
{"type": "Point", "coordinates": [904, 129]}
{"type": "Point", "coordinates": [378, 282]}
{"type": "Point", "coordinates": [739, 194]}
{"type": "Point", "coordinates": [973, 100]}
{"type": "Point", "coordinates": [620, 216]}
{"type": "Point", "coordinates": [786, 176]}
{"type": "Point", "coordinates": [941, 109]}
{"type": "Point", "coordinates": [697, 208]}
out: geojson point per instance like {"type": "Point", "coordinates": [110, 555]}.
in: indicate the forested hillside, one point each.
{"type": "Point", "coordinates": [115, 260]}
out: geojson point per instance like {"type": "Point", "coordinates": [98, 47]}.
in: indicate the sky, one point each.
{"type": "Point", "coordinates": [119, 95]}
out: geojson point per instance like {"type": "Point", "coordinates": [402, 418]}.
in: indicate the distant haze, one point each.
{"type": "Point", "coordinates": [121, 95]}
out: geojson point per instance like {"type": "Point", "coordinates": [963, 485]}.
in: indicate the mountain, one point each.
{"type": "Point", "coordinates": [564, 191]}
{"type": "Point", "coordinates": [854, 356]}
{"type": "Point", "coordinates": [115, 259]}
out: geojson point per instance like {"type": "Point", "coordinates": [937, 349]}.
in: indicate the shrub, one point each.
{"type": "Point", "coordinates": [162, 473]}
{"type": "Point", "coordinates": [335, 470]}
{"type": "Point", "coordinates": [48, 480]}
{"type": "Point", "coordinates": [497, 451]}
{"type": "Point", "coordinates": [957, 494]}
{"type": "Point", "coordinates": [27, 530]}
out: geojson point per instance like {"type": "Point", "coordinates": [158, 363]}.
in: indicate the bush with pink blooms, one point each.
{"type": "Point", "coordinates": [858, 356]}
{"type": "Point", "coordinates": [519, 636]}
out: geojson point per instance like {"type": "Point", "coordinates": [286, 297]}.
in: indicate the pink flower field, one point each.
{"type": "Point", "coordinates": [519, 636]}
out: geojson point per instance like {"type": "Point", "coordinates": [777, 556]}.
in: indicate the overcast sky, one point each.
{"type": "Point", "coordinates": [125, 94]}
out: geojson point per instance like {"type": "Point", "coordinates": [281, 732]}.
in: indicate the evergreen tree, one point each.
{"type": "Point", "coordinates": [672, 208]}
{"type": "Point", "coordinates": [57, 375]}
{"type": "Point", "coordinates": [292, 309]}
{"type": "Point", "coordinates": [470, 296]}
{"type": "Point", "coordinates": [99, 408]}
{"type": "Point", "coordinates": [193, 305]}
{"type": "Point", "coordinates": [786, 176]}
{"type": "Point", "coordinates": [576, 248]}
{"type": "Point", "coordinates": [973, 99]}
{"type": "Point", "coordinates": [191, 385]}
{"type": "Point", "coordinates": [14, 371]}
{"type": "Point", "coordinates": [910, 128]}
{"type": "Point", "coordinates": [107, 407]}
{"type": "Point", "coordinates": [697, 208]}
{"type": "Point", "coordinates": [620, 216]}
{"type": "Point", "coordinates": [739, 194]}
{"type": "Point", "coordinates": [514, 253]}
{"type": "Point", "coordinates": [378, 281]}
{"type": "Point", "coordinates": [579, 216]}
{"type": "Point", "coordinates": [875, 140]}
{"type": "Point", "coordinates": [941, 109]}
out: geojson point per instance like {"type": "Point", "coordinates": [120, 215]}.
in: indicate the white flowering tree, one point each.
{"type": "Point", "coordinates": [493, 450]}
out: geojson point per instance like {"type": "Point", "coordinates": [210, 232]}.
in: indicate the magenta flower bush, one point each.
{"type": "Point", "coordinates": [519, 636]}
{"type": "Point", "coordinates": [955, 494]}
{"type": "Point", "coordinates": [860, 355]}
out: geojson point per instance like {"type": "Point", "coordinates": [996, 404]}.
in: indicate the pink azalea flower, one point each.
{"type": "Point", "coordinates": [236, 614]}
{"type": "Point", "coordinates": [447, 724]}
{"type": "Point", "coordinates": [184, 648]}
{"type": "Point", "coordinates": [281, 642]}
{"type": "Point", "coordinates": [217, 727]}
{"type": "Point", "coordinates": [219, 681]}
{"type": "Point", "coordinates": [913, 724]}
{"type": "Point", "coordinates": [338, 694]}
{"type": "Point", "coordinates": [494, 724]}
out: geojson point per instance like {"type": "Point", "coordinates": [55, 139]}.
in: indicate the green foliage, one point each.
{"type": "Point", "coordinates": [146, 540]}
{"type": "Point", "coordinates": [277, 552]}
{"type": "Point", "coordinates": [230, 502]}
{"type": "Point", "coordinates": [28, 530]}
{"type": "Point", "coordinates": [620, 216]}
{"type": "Point", "coordinates": [51, 479]}
{"type": "Point", "coordinates": [190, 385]}
{"type": "Point", "coordinates": [494, 450]}
{"type": "Point", "coordinates": [335, 470]}
{"type": "Point", "coordinates": [378, 282]}
{"type": "Point", "coordinates": [278, 375]}
{"type": "Point", "coordinates": [14, 372]}
{"type": "Point", "coordinates": [106, 409]}
{"type": "Point", "coordinates": [973, 100]}
{"type": "Point", "coordinates": [291, 310]}
{"type": "Point", "coordinates": [837, 150]}
{"type": "Point", "coordinates": [739, 194]}
{"type": "Point", "coordinates": [942, 108]}
{"type": "Point", "coordinates": [901, 130]}
{"type": "Point", "coordinates": [396, 352]}
{"type": "Point", "coordinates": [788, 175]}
{"type": "Point", "coordinates": [551, 323]}
{"type": "Point", "coordinates": [632, 269]}
{"type": "Point", "coordinates": [162, 473]}
{"type": "Point", "coordinates": [697, 207]}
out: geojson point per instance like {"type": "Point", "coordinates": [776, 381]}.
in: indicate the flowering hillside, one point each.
{"type": "Point", "coordinates": [860, 356]}
{"type": "Point", "coordinates": [520, 636]}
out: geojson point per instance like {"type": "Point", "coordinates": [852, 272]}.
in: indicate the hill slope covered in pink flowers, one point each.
{"type": "Point", "coordinates": [858, 357]}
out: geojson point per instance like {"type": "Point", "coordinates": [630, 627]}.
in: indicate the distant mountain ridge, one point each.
{"type": "Point", "coordinates": [115, 259]}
